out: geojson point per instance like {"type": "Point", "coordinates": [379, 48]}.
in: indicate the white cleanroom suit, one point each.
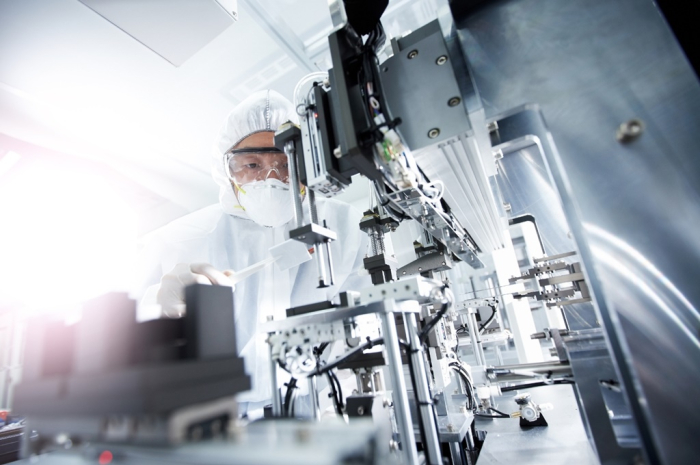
{"type": "Point", "coordinates": [224, 236]}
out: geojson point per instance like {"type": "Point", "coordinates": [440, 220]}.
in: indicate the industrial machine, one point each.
{"type": "Point", "coordinates": [525, 138]}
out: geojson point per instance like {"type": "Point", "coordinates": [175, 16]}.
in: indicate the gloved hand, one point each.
{"type": "Point", "coordinates": [171, 294]}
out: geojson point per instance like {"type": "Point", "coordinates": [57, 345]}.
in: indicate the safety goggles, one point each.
{"type": "Point", "coordinates": [251, 164]}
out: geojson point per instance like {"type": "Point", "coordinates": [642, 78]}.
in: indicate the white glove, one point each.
{"type": "Point", "coordinates": [171, 294]}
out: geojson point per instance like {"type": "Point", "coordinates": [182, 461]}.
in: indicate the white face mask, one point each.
{"type": "Point", "coordinates": [268, 203]}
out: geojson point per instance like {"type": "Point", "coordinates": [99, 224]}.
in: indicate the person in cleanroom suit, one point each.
{"type": "Point", "coordinates": [254, 213]}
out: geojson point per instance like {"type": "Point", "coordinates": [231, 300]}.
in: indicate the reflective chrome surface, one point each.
{"type": "Point", "coordinates": [633, 207]}
{"type": "Point", "coordinates": [563, 442]}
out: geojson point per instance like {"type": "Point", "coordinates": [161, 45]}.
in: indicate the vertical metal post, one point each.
{"type": "Point", "coordinates": [456, 452]}
{"type": "Point", "coordinates": [471, 446]}
{"type": "Point", "coordinates": [312, 205]}
{"type": "Point", "coordinates": [402, 410]}
{"type": "Point", "coordinates": [499, 355]}
{"type": "Point", "coordinates": [331, 278]}
{"type": "Point", "coordinates": [327, 245]}
{"type": "Point", "coordinates": [320, 252]}
{"type": "Point", "coordinates": [294, 183]}
{"type": "Point", "coordinates": [475, 337]}
{"type": "Point", "coordinates": [422, 394]}
{"type": "Point", "coordinates": [276, 400]}
{"type": "Point", "coordinates": [313, 392]}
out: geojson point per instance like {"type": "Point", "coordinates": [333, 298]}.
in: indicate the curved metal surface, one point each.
{"type": "Point", "coordinates": [633, 207]}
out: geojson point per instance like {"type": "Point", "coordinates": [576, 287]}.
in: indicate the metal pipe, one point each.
{"type": "Point", "coordinates": [313, 392]}
{"type": "Point", "coordinates": [553, 369]}
{"type": "Point", "coordinates": [320, 252]}
{"type": "Point", "coordinates": [276, 400]}
{"type": "Point", "coordinates": [401, 408]}
{"type": "Point", "coordinates": [312, 205]}
{"type": "Point", "coordinates": [499, 355]}
{"type": "Point", "coordinates": [294, 183]}
{"type": "Point", "coordinates": [331, 277]}
{"type": "Point", "coordinates": [475, 337]}
{"type": "Point", "coordinates": [423, 398]}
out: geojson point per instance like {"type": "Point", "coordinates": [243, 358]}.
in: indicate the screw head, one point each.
{"type": "Point", "coordinates": [360, 410]}
{"type": "Point", "coordinates": [433, 133]}
{"type": "Point", "coordinates": [412, 54]}
{"type": "Point", "coordinates": [442, 59]}
{"type": "Point", "coordinates": [629, 131]}
{"type": "Point", "coordinates": [454, 101]}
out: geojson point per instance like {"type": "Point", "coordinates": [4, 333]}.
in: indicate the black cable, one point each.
{"type": "Point", "coordinates": [489, 319]}
{"type": "Point", "coordinates": [504, 415]}
{"type": "Point", "coordinates": [348, 356]}
{"type": "Point", "coordinates": [467, 388]}
{"type": "Point", "coordinates": [318, 351]}
{"type": "Point", "coordinates": [289, 397]}
{"type": "Point", "coordinates": [431, 324]}
{"type": "Point", "coordinates": [538, 384]}
{"type": "Point", "coordinates": [499, 414]}
{"type": "Point", "coordinates": [334, 393]}
{"type": "Point", "coordinates": [339, 388]}
{"type": "Point", "coordinates": [465, 376]}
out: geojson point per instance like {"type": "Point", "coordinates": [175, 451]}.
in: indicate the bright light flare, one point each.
{"type": "Point", "coordinates": [66, 237]}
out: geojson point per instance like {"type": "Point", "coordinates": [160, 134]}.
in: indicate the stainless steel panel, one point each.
{"type": "Point", "coordinates": [525, 184]}
{"type": "Point", "coordinates": [562, 442]}
{"type": "Point", "coordinates": [632, 207]}
{"type": "Point", "coordinates": [420, 68]}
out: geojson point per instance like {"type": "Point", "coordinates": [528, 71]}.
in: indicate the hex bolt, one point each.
{"type": "Point", "coordinates": [454, 101]}
{"type": "Point", "coordinates": [507, 207]}
{"type": "Point", "coordinates": [412, 54]}
{"type": "Point", "coordinates": [433, 133]}
{"type": "Point", "coordinates": [629, 131]}
{"type": "Point", "coordinates": [442, 59]}
{"type": "Point", "coordinates": [360, 410]}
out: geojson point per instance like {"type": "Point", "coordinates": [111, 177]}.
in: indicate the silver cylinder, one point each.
{"type": "Point", "coordinates": [313, 393]}
{"type": "Point", "coordinates": [294, 183]}
{"type": "Point", "coordinates": [554, 369]}
{"type": "Point", "coordinates": [401, 408]}
{"type": "Point", "coordinates": [276, 401]}
{"type": "Point", "coordinates": [312, 205]}
{"type": "Point", "coordinates": [476, 338]}
{"type": "Point", "coordinates": [331, 276]}
{"type": "Point", "coordinates": [320, 252]}
{"type": "Point", "coordinates": [422, 394]}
